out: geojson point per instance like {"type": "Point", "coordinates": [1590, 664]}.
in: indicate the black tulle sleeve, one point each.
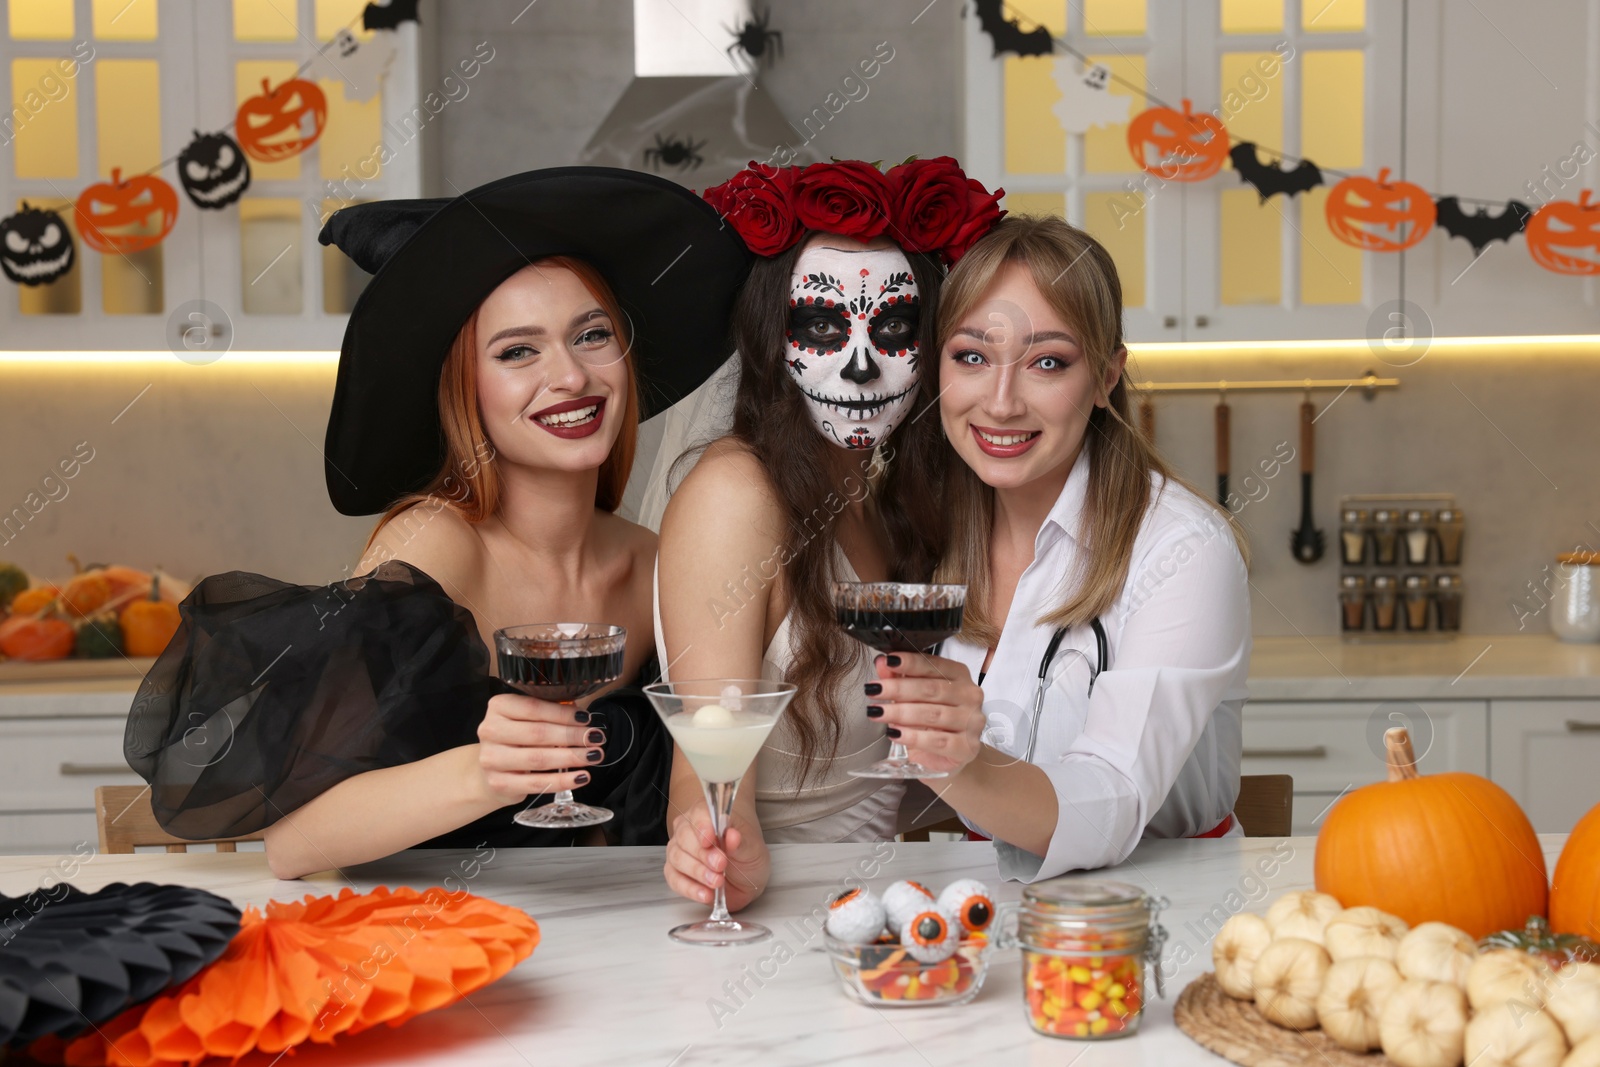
{"type": "Point", "coordinates": [271, 693]}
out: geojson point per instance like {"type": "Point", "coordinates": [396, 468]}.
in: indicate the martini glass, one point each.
{"type": "Point", "coordinates": [899, 617]}
{"type": "Point", "coordinates": [561, 662]}
{"type": "Point", "coordinates": [720, 724]}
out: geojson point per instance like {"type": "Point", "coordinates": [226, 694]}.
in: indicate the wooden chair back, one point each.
{"type": "Point", "coordinates": [123, 815]}
{"type": "Point", "coordinates": [1265, 807]}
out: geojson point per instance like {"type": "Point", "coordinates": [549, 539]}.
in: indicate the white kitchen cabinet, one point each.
{"type": "Point", "coordinates": [49, 768]}
{"type": "Point", "coordinates": [1546, 753]}
{"type": "Point", "coordinates": [1331, 747]}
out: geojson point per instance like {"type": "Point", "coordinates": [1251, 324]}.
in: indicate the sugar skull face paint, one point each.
{"type": "Point", "coordinates": [852, 341]}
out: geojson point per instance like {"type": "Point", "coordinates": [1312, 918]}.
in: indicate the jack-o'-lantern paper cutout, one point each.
{"type": "Point", "coordinates": [36, 247]}
{"type": "Point", "coordinates": [282, 121]}
{"type": "Point", "coordinates": [213, 170]}
{"type": "Point", "coordinates": [1564, 236]}
{"type": "Point", "coordinates": [126, 216]}
{"type": "Point", "coordinates": [1379, 215]}
{"type": "Point", "coordinates": [1178, 146]}
{"type": "Point", "coordinates": [313, 970]}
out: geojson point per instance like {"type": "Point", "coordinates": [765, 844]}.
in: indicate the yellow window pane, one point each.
{"type": "Point", "coordinates": [1252, 98]}
{"type": "Point", "coordinates": [1252, 16]}
{"type": "Point", "coordinates": [131, 283]}
{"type": "Point", "coordinates": [349, 145]}
{"type": "Point", "coordinates": [342, 280]}
{"type": "Point", "coordinates": [1333, 16]}
{"type": "Point", "coordinates": [270, 232]}
{"type": "Point", "coordinates": [127, 105]}
{"type": "Point", "coordinates": [248, 75]}
{"type": "Point", "coordinates": [1105, 148]}
{"type": "Point", "coordinates": [1051, 14]}
{"type": "Point", "coordinates": [44, 117]}
{"type": "Point", "coordinates": [1332, 99]}
{"type": "Point", "coordinates": [1116, 220]}
{"type": "Point", "coordinates": [1252, 249]}
{"type": "Point", "coordinates": [64, 296]}
{"type": "Point", "coordinates": [1113, 18]}
{"type": "Point", "coordinates": [335, 15]}
{"type": "Point", "coordinates": [1330, 269]}
{"type": "Point", "coordinates": [125, 20]}
{"type": "Point", "coordinates": [41, 20]}
{"type": "Point", "coordinates": [1036, 204]}
{"type": "Point", "coordinates": [265, 20]}
{"type": "Point", "coordinates": [1035, 142]}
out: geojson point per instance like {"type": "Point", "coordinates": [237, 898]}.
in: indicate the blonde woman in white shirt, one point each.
{"type": "Point", "coordinates": [1093, 695]}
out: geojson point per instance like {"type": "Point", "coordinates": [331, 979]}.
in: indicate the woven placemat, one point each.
{"type": "Point", "coordinates": [1234, 1029]}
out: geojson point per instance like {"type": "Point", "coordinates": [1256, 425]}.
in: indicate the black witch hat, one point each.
{"type": "Point", "coordinates": [672, 263]}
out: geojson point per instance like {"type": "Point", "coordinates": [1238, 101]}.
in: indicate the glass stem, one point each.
{"type": "Point", "coordinates": [719, 799]}
{"type": "Point", "coordinates": [565, 797]}
{"type": "Point", "coordinates": [898, 753]}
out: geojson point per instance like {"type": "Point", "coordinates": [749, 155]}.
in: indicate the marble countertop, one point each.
{"type": "Point", "coordinates": [606, 986]}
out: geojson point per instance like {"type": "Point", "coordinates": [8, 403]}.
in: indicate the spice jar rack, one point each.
{"type": "Point", "coordinates": [1400, 567]}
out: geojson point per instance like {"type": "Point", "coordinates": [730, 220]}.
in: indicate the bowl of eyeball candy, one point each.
{"type": "Point", "coordinates": [910, 947]}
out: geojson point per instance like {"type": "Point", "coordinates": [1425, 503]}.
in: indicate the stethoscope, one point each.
{"type": "Point", "coordinates": [1102, 654]}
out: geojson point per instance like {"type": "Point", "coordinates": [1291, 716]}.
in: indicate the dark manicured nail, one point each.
{"type": "Point", "coordinates": [894, 661]}
{"type": "Point", "coordinates": [874, 712]}
{"type": "Point", "coordinates": [873, 689]}
{"type": "Point", "coordinates": [595, 737]}
{"type": "Point", "coordinates": [580, 717]}
{"type": "Point", "coordinates": [583, 778]}
{"type": "Point", "coordinates": [594, 755]}
{"type": "Point", "coordinates": [891, 731]}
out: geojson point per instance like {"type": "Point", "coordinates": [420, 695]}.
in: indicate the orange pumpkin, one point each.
{"type": "Point", "coordinates": [1575, 890]}
{"type": "Point", "coordinates": [33, 600]}
{"type": "Point", "coordinates": [1451, 848]}
{"type": "Point", "coordinates": [1179, 146]}
{"type": "Point", "coordinates": [148, 624]}
{"type": "Point", "coordinates": [126, 216]}
{"type": "Point", "coordinates": [1379, 215]}
{"type": "Point", "coordinates": [28, 638]}
{"type": "Point", "coordinates": [281, 122]}
{"type": "Point", "coordinates": [88, 591]}
{"type": "Point", "coordinates": [1564, 236]}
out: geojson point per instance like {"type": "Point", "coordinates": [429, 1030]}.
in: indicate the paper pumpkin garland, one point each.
{"type": "Point", "coordinates": [1377, 214]}
{"type": "Point", "coordinates": [283, 121]}
{"type": "Point", "coordinates": [36, 247]}
{"type": "Point", "coordinates": [1564, 236]}
{"type": "Point", "coordinates": [1180, 146]}
{"type": "Point", "coordinates": [126, 216]}
{"type": "Point", "coordinates": [213, 170]}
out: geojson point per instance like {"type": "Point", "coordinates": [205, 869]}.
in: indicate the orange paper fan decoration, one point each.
{"type": "Point", "coordinates": [312, 970]}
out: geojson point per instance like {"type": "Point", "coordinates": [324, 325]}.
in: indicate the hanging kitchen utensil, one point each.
{"type": "Point", "coordinates": [1147, 419]}
{"type": "Point", "coordinates": [1307, 542]}
{"type": "Point", "coordinates": [1223, 413]}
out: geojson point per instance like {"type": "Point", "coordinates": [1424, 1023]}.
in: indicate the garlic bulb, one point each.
{"type": "Point", "coordinates": [1352, 997]}
{"type": "Point", "coordinates": [1423, 1024]}
{"type": "Point", "coordinates": [1235, 951]}
{"type": "Point", "coordinates": [1585, 1053]}
{"type": "Point", "coordinates": [1302, 915]}
{"type": "Point", "coordinates": [1363, 932]}
{"type": "Point", "coordinates": [1504, 974]}
{"type": "Point", "coordinates": [1287, 978]}
{"type": "Point", "coordinates": [1573, 997]}
{"type": "Point", "coordinates": [1511, 1035]}
{"type": "Point", "coordinates": [1436, 952]}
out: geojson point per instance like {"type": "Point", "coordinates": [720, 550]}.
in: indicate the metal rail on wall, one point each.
{"type": "Point", "coordinates": [1369, 382]}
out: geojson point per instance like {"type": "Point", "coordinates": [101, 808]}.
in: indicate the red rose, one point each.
{"type": "Point", "coordinates": [757, 203]}
{"type": "Point", "coordinates": [983, 211]}
{"type": "Point", "coordinates": [848, 198]}
{"type": "Point", "coordinates": [928, 202]}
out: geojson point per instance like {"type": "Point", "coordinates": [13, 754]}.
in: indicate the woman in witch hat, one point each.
{"type": "Point", "coordinates": [489, 390]}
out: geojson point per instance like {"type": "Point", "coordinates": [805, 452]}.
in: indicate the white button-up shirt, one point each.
{"type": "Point", "coordinates": [1155, 750]}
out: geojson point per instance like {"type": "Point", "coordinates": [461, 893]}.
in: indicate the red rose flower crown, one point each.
{"type": "Point", "coordinates": [926, 205]}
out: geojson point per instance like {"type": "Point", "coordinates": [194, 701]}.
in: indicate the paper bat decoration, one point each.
{"type": "Point", "coordinates": [1085, 101]}
{"type": "Point", "coordinates": [1008, 37]}
{"type": "Point", "coordinates": [389, 14]}
{"type": "Point", "coordinates": [1270, 178]}
{"type": "Point", "coordinates": [1480, 227]}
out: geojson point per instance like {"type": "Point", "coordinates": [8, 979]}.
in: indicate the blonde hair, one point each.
{"type": "Point", "coordinates": [1078, 279]}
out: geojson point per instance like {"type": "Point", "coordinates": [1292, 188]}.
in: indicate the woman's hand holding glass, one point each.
{"type": "Point", "coordinates": [932, 706]}
{"type": "Point", "coordinates": [695, 864]}
{"type": "Point", "coordinates": [528, 746]}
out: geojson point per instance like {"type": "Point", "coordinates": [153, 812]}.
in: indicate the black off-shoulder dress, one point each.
{"type": "Point", "coordinates": [271, 693]}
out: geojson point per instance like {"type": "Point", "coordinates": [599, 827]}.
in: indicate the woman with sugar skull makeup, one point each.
{"type": "Point", "coordinates": [829, 473]}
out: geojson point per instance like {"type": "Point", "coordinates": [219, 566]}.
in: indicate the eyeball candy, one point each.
{"type": "Point", "coordinates": [902, 900]}
{"type": "Point", "coordinates": [969, 902]}
{"type": "Point", "coordinates": [930, 937]}
{"type": "Point", "coordinates": [855, 917]}
{"type": "Point", "coordinates": [713, 716]}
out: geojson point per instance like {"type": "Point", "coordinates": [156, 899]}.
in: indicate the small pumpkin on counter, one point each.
{"type": "Point", "coordinates": [31, 637]}
{"type": "Point", "coordinates": [87, 591]}
{"type": "Point", "coordinates": [1450, 847]}
{"type": "Point", "coordinates": [99, 637]}
{"type": "Point", "coordinates": [1424, 1024]}
{"type": "Point", "coordinates": [148, 624]}
{"type": "Point", "coordinates": [32, 601]}
{"type": "Point", "coordinates": [1508, 1035]}
{"type": "Point", "coordinates": [1288, 979]}
{"type": "Point", "coordinates": [13, 580]}
{"type": "Point", "coordinates": [1436, 952]}
{"type": "Point", "coordinates": [1352, 1000]}
{"type": "Point", "coordinates": [1575, 889]}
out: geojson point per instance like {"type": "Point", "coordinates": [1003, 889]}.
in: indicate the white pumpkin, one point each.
{"type": "Point", "coordinates": [1353, 995]}
{"type": "Point", "coordinates": [1234, 953]}
{"type": "Point", "coordinates": [1288, 978]}
{"type": "Point", "coordinates": [1303, 914]}
{"type": "Point", "coordinates": [1504, 974]}
{"type": "Point", "coordinates": [1573, 998]}
{"type": "Point", "coordinates": [1423, 1024]}
{"type": "Point", "coordinates": [1512, 1035]}
{"type": "Point", "coordinates": [1363, 932]}
{"type": "Point", "coordinates": [1585, 1053]}
{"type": "Point", "coordinates": [1436, 952]}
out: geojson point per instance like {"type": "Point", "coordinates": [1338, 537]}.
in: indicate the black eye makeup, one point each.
{"type": "Point", "coordinates": [894, 328]}
{"type": "Point", "coordinates": [515, 353]}
{"type": "Point", "coordinates": [818, 329]}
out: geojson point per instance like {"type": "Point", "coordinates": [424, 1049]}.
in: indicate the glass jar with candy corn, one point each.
{"type": "Point", "coordinates": [1088, 948]}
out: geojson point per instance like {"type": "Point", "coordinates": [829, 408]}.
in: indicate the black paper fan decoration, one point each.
{"type": "Point", "coordinates": [71, 959]}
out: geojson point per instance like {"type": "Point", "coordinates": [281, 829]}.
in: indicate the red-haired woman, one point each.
{"type": "Point", "coordinates": [487, 402]}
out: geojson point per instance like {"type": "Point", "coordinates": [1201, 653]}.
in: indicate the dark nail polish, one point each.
{"type": "Point", "coordinates": [594, 755]}
{"type": "Point", "coordinates": [580, 717]}
{"type": "Point", "coordinates": [582, 779]}
{"type": "Point", "coordinates": [891, 731]}
{"type": "Point", "coordinates": [595, 737]}
{"type": "Point", "coordinates": [873, 689]}
{"type": "Point", "coordinates": [894, 661]}
{"type": "Point", "coordinates": [874, 712]}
